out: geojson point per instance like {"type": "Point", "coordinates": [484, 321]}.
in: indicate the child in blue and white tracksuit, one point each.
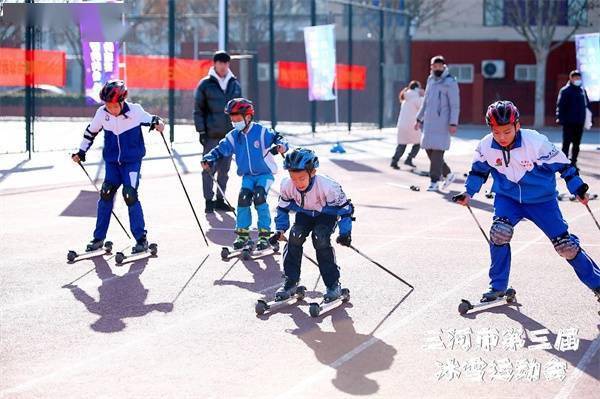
{"type": "Point", "coordinates": [123, 152]}
{"type": "Point", "coordinates": [251, 143]}
{"type": "Point", "coordinates": [525, 187]}
{"type": "Point", "coordinates": [320, 205]}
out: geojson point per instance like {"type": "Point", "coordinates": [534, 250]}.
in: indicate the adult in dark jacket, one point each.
{"type": "Point", "coordinates": [571, 107]}
{"type": "Point", "coordinates": [212, 124]}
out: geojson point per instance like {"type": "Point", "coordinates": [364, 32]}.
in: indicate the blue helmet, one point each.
{"type": "Point", "coordinates": [301, 159]}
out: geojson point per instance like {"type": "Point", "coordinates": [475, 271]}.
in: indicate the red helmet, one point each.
{"type": "Point", "coordinates": [240, 106]}
{"type": "Point", "coordinates": [114, 91]}
{"type": "Point", "coordinates": [501, 113]}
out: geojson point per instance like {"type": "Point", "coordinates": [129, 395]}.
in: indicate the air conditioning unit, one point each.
{"type": "Point", "coordinates": [492, 69]}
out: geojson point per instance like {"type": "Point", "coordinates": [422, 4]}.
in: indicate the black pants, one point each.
{"type": "Point", "coordinates": [400, 148]}
{"type": "Point", "coordinates": [572, 135]}
{"type": "Point", "coordinates": [322, 226]}
{"type": "Point", "coordinates": [220, 171]}
{"type": "Point", "coordinates": [438, 166]}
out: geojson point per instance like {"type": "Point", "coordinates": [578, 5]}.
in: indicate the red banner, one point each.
{"type": "Point", "coordinates": [48, 67]}
{"type": "Point", "coordinates": [293, 75]}
{"type": "Point", "coordinates": [152, 72]}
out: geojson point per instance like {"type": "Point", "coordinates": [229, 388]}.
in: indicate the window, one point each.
{"type": "Point", "coordinates": [525, 73]}
{"type": "Point", "coordinates": [462, 72]}
{"type": "Point", "coordinates": [493, 13]}
{"type": "Point", "coordinates": [501, 12]}
{"type": "Point", "coordinates": [263, 71]}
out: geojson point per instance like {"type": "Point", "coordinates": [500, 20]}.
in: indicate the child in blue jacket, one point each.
{"type": "Point", "coordinates": [123, 152]}
{"type": "Point", "coordinates": [253, 146]}
{"type": "Point", "coordinates": [523, 164]}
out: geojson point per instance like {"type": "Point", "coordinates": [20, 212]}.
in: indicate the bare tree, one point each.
{"type": "Point", "coordinates": [536, 22]}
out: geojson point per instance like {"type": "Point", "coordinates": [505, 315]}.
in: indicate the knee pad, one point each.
{"type": "Point", "coordinates": [297, 236]}
{"type": "Point", "coordinates": [108, 190]}
{"type": "Point", "coordinates": [245, 198]}
{"type": "Point", "coordinates": [501, 231]}
{"type": "Point", "coordinates": [321, 237]}
{"type": "Point", "coordinates": [567, 246]}
{"type": "Point", "coordinates": [130, 195]}
{"type": "Point", "coordinates": [260, 195]}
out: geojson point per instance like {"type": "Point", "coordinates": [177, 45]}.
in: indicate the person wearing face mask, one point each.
{"type": "Point", "coordinates": [253, 146]}
{"type": "Point", "coordinates": [438, 119]}
{"type": "Point", "coordinates": [211, 96]}
{"type": "Point", "coordinates": [571, 107]}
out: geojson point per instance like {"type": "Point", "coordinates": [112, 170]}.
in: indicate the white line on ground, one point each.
{"type": "Point", "coordinates": [585, 361]}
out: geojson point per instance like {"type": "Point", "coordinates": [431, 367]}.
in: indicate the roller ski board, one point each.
{"type": "Point", "coordinates": [121, 258]}
{"type": "Point", "coordinates": [508, 298]}
{"type": "Point", "coordinates": [262, 306]}
{"type": "Point", "coordinates": [315, 308]}
{"type": "Point", "coordinates": [248, 252]}
{"type": "Point", "coordinates": [570, 197]}
{"type": "Point", "coordinates": [73, 256]}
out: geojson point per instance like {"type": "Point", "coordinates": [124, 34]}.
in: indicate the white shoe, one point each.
{"type": "Point", "coordinates": [449, 180]}
{"type": "Point", "coordinates": [434, 186]}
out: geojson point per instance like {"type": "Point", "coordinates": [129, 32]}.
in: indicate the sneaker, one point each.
{"type": "Point", "coordinates": [332, 293]}
{"type": "Point", "coordinates": [94, 245]}
{"type": "Point", "coordinates": [492, 295]}
{"type": "Point", "coordinates": [410, 163]}
{"type": "Point", "coordinates": [434, 186]}
{"type": "Point", "coordinates": [394, 165]}
{"type": "Point", "coordinates": [141, 245]}
{"type": "Point", "coordinates": [221, 205]}
{"type": "Point", "coordinates": [449, 180]}
{"type": "Point", "coordinates": [287, 290]}
{"type": "Point", "coordinates": [209, 207]}
{"type": "Point", "coordinates": [243, 237]}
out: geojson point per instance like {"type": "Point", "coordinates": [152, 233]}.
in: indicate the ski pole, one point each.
{"type": "Point", "coordinates": [96, 187]}
{"type": "Point", "coordinates": [221, 191]}
{"type": "Point", "coordinates": [283, 238]}
{"type": "Point", "coordinates": [181, 181]}
{"type": "Point", "coordinates": [380, 266]}
{"type": "Point", "coordinates": [458, 197]}
{"type": "Point", "coordinates": [592, 215]}
{"type": "Point", "coordinates": [478, 224]}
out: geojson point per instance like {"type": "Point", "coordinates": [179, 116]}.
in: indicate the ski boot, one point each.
{"type": "Point", "coordinates": [242, 240]}
{"type": "Point", "coordinates": [332, 293]}
{"type": "Point", "coordinates": [141, 245]}
{"type": "Point", "coordinates": [94, 245]}
{"type": "Point", "coordinates": [287, 290]}
{"type": "Point", "coordinates": [492, 295]}
{"type": "Point", "coordinates": [263, 240]}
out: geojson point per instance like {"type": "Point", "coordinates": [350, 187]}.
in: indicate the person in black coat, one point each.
{"type": "Point", "coordinates": [212, 124]}
{"type": "Point", "coordinates": [571, 108]}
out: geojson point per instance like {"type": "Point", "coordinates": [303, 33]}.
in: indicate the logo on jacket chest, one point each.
{"type": "Point", "coordinates": [498, 162]}
{"type": "Point", "coordinates": [256, 144]}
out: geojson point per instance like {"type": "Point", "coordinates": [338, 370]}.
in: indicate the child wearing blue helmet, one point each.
{"type": "Point", "coordinates": [320, 204]}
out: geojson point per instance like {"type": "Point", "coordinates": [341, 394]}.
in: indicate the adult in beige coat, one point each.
{"type": "Point", "coordinates": [411, 98]}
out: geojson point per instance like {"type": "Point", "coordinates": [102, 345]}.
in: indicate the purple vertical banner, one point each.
{"type": "Point", "coordinates": [100, 58]}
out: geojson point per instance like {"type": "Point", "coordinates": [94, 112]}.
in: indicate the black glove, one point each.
{"type": "Point", "coordinates": [582, 190]}
{"type": "Point", "coordinates": [274, 150]}
{"type": "Point", "coordinates": [80, 154]}
{"type": "Point", "coordinates": [344, 240]}
{"type": "Point", "coordinates": [154, 122]}
{"type": "Point", "coordinates": [203, 138]}
{"type": "Point", "coordinates": [275, 237]}
{"type": "Point", "coordinates": [459, 197]}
